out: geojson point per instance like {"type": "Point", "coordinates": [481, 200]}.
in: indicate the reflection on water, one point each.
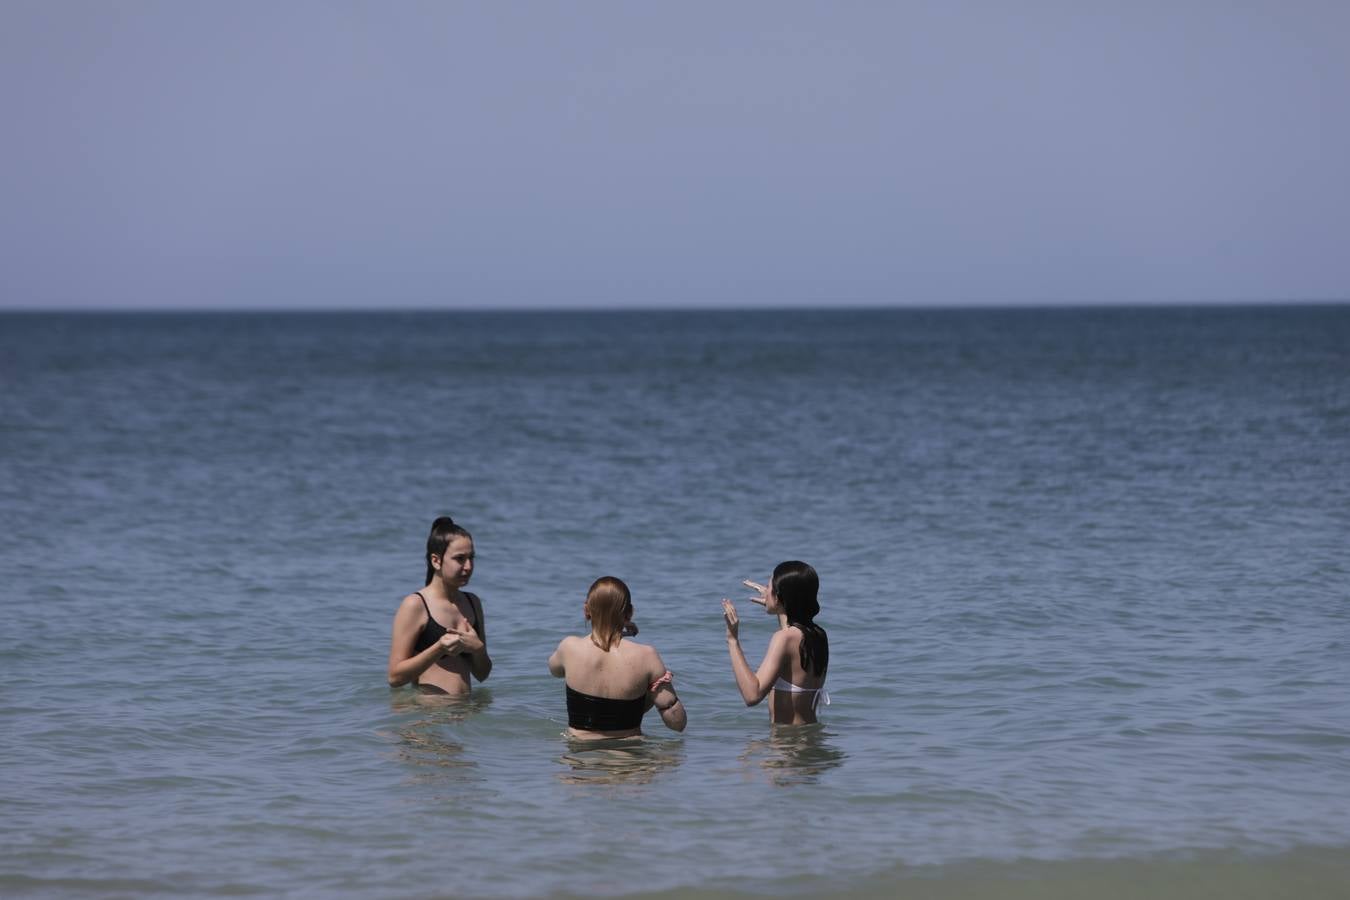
{"type": "Point", "coordinates": [794, 754]}
{"type": "Point", "coordinates": [423, 742]}
{"type": "Point", "coordinates": [445, 707]}
{"type": "Point", "coordinates": [633, 760]}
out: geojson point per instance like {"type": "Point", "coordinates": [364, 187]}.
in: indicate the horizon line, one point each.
{"type": "Point", "coordinates": [659, 308]}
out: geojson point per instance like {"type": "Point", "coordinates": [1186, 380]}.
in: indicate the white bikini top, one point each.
{"type": "Point", "coordinates": [782, 684]}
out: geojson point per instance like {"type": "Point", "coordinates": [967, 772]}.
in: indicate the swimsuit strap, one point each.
{"type": "Point", "coordinates": [473, 608]}
{"type": "Point", "coordinates": [782, 684]}
{"type": "Point", "coordinates": [431, 620]}
{"type": "Point", "coordinates": [430, 631]}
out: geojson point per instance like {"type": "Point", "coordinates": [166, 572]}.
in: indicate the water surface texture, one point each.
{"type": "Point", "coordinates": [1084, 574]}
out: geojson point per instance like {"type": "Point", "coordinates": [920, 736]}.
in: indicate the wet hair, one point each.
{"type": "Point", "coordinates": [796, 584]}
{"type": "Point", "coordinates": [610, 604]}
{"type": "Point", "coordinates": [443, 531]}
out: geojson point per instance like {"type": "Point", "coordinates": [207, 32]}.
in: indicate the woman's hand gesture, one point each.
{"type": "Point", "coordinates": [469, 641]}
{"type": "Point", "coordinates": [733, 622]}
{"type": "Point", "coordinates": [461, 640]}
{"type": "Point", "coordinates": [763, 592]}
{"type": "Point", "coordinates": [450, 643]}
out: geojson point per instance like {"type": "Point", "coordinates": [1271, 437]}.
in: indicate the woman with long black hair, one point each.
{"type": "Point", "coordinates": [793, 668]}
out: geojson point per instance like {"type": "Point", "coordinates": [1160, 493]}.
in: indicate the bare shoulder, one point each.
{"type": "Point", "coordinates": [637, 648]}
{"type": "Point", "coordinates": [410, 604]}
{"type": "Point", "coordinates": [567, 647]}
{"type": "Point", "coordinates": [650, 658]}
{"type": "Point", "coordinates": [785, 640]}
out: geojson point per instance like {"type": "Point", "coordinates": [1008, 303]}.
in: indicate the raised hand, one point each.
{"type": "Point", "coordinates": [762, 597]}
{"type": "Point", "coordinates": [732, 620]}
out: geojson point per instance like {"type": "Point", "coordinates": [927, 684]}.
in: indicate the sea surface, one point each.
{"type": "Point", "coordinates": [1085, 572]}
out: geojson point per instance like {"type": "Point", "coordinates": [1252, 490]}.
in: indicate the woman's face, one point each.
{"type": "Point", "coordinates": [456, 564]}
{"type": "Point", "coordinates": [771, 604]}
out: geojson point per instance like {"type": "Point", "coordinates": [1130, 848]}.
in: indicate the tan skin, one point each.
{"type": "Point", "coordinates": [442, 666]}
{"type": "Point", "coordinates": [622, 672]}
{"type": "Point", "coordinates": [782, 659]}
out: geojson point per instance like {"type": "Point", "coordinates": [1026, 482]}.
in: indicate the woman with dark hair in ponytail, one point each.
{"type": "Point", "coordinates": [439, 635]}
{"type": "Point", "coordinates": [793, 668]}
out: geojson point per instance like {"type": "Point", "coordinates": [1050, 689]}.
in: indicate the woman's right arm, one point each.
{"type": "Point", "coordinates": [404, 665]}
{"type": "Point", "coordinates": [555, 662]}
{"type": "Point", "coordinates": [753, 685]}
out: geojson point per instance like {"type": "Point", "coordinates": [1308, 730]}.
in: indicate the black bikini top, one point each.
{"type": "Point", "coordinates": [603, 714]}
{"type": "Point", "coordinates": [433, 631]}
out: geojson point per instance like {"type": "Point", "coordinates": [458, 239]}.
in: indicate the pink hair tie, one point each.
{"type": "Point", "coordinates": [664, 679]}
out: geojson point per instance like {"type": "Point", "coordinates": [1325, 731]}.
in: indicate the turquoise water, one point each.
{"type": "Point", "coordinates": [1083, 572]}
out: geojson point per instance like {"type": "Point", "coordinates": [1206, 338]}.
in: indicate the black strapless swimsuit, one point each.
{"type": "Point", "coordinates": [603, 714]}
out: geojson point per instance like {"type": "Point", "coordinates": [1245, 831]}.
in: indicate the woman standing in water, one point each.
{"type": "Point", "coordinates": [439, 635]}
{"type": "Point", "coordinates": [793, 668]}
{"type": "Point", "coordinates": [611, 682]}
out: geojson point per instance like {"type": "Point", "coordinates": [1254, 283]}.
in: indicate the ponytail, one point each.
{"type": "Point", "coordinates": [815, 649]}
{"type": "Point", "coordinates": [609, 604]}
{"type": "Point", "coordinates": [796, 585]}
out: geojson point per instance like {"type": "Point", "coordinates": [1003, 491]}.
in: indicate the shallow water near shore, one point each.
{"type": "Point", "coordinates": [1083, 573]}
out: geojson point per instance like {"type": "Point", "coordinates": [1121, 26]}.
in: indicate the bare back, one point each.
{"type": "Point", "coordinates": [627, 671]}
{"type": "Point", "coordinates": [794, 708]}
{"type": "Point", "coordinates": [621, 673]}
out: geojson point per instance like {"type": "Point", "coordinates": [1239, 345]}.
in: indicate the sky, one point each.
{"type": "Point", "coordinates": [298, 155]}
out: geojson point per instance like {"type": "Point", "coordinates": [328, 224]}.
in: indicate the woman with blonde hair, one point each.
{"type": "Point", "coordinates": [611, 681]}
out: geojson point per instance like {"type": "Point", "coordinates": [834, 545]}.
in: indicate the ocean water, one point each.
{"type": "Point", "coordinates": [1084, 573]}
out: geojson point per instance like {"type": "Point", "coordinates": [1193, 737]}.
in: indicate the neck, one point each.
{"type": "Point", "coordinates": [438, 588]}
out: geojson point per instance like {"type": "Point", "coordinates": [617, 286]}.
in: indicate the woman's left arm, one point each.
{"type": "Point", "coordinates": [661, 694]}
{"type": "Point", "coordinates": [480, 664]}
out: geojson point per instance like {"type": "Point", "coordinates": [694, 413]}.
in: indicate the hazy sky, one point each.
{"type": "Point", "coordinates": [401, 154]}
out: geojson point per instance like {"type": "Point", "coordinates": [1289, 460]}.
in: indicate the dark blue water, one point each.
{"type": "Point", "coordinates": [1083, 571]}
